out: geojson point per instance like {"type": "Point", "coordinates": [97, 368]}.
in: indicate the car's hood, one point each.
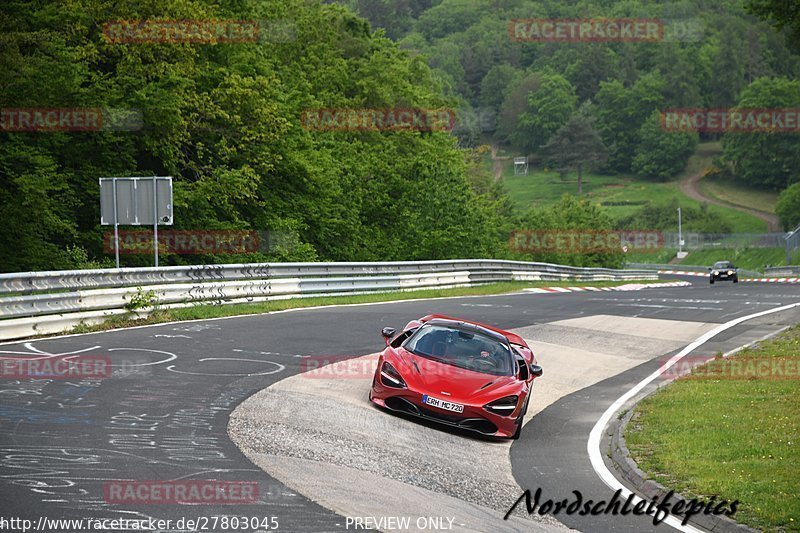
{"type": "Point", "coordinates": [448, 381]}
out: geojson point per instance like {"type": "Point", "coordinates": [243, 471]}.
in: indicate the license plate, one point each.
{"type": "Point", "coordinates": [441, 404]}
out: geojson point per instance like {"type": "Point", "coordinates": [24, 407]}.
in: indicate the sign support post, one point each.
{"type": "Point", "coordinates": [155, 221]}
{"type": "Point", "coordinates": [127, 201]}
{"type": "Point", "coordinates": [116, 223]}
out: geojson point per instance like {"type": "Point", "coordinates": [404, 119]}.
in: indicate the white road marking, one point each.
{"type": "Point", "coordinates": [596, 435]}
{"type": "Point", "coordinates": [695, 308]}
{"type": "Point", "coordinates": [270, 353]}
{"type": "Point", "coordinates": [279, 368]}
{"type": "Point", "coordinates": [170, 356]}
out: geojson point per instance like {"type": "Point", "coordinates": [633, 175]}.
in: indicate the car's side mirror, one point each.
{"type": "Point", "coordinates": [709, 269]}
{"type": "Point", "coordinates": [536, 370]}
{"type": "Point", "coordinates": [388, 333]}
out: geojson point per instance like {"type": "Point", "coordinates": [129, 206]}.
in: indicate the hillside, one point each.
{"type": "Point", "coordinates": [290, 129]}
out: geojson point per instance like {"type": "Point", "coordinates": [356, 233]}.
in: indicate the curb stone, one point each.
{"type": "Point", "coordinates": [626, 287]}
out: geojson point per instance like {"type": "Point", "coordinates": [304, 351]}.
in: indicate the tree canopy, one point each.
{"type": "Point", "coordinates": [224, 120]}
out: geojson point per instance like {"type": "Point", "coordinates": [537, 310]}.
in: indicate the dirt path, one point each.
{"type": "Point", "coordinates": [497, 163]}
{"type": "Point", "coordinates": [688, 186]}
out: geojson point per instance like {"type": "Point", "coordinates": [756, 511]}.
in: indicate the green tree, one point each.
{"type": "Point", "coordinates": [765, 158]}
{"type": "Point", "coordinates": [570, 218]}
{"type": "Point", "coordinates": [621, 111]}
{"type": "Point", "coordinates": [589, 64]}
{"type": "Point", "coordinates": [662, 154]}
{"type": "Point", "coordinates": [788, 207]}
{"type": "Point", "coordinates": [496, 85]}
{"type": "Point", "coordinates": [396, 18]}
{"type": "Point", "coordinates": [446, 57]}
{"type": "Point", "coordinates": [782, 13]}
{"type": "Point", "coordinates": [677, 69]}
{"type": "Point", "coordinates": [728, 69]}
{"type": "Point", "coordinates": [225, 121]}
{"type": "Point", "coordinates": [548, 103]}
{"type": "Point", "coordinates": [449, 17]}
{"type": "Point", "coordinates": [576, 146]}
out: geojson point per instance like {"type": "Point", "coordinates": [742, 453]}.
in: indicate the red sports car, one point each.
{"type": "Point", "coordinates": [457, 372]}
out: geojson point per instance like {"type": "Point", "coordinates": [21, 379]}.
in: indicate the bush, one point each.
{"type": "Point", "coordinates": [788, 207]}
{"type": "Point", "coordinates": [569, 216]}
{"type": "Point", "coordinates": [665, 217]}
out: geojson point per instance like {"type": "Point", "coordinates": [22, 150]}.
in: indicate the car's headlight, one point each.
{"type": "Point", "coordinates": [730, 272]}
{"type": "Point", "coordinates": [503, 406]}
{"type": "Point", "coordinates": [390, 377]}
{"type": "Point", "coordinates": [716, 272]}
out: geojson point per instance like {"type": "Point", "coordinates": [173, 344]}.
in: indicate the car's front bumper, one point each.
{"type": "Point", "coordinates": [474, 418]}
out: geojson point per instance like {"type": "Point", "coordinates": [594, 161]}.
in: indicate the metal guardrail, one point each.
{"type": "Point", "coordinates": [42, 302]}
{"type": "Point", "coordinates": [688, 268]}
{"type": "Point", "coordinates": [664, 266]}
{"type": "Point", "coordinates": [697, 241]}
{"type": "Point", "coordinates": [792, 271]}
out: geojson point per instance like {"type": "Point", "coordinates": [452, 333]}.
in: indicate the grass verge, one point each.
{"type": "Point", "coordinates": [206, 311]}
{"type": "Point", "coordinates": [736, 439]}
{"type": "Point", "coordinates": [748, 258]}
{"type": "Point", "coordinates": [619, 196]}
{"type": "Point", "coordinates": [739, 194]}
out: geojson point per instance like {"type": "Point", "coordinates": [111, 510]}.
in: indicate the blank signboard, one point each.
{"type": "Point", "coordinates": [135, 202]}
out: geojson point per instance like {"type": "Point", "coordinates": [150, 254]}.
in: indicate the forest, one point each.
{"type": "Point", "coordinates": [224, 119]}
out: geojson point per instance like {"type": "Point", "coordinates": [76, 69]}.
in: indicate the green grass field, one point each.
{"type": "Point", "coordinates": [541, 188]}
{"type": "Point", "coordinates": [738, 194]}
{"type": "Point", "coordinates": [736, 439]}
{"type": "Point", "coordinates": [545, 187]}
{"type": "Point", "coordinates": [749, 258]}
{"type": "Point", "coordinates": [665, 255]}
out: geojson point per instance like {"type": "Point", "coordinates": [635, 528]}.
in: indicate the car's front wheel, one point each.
{"type": "Point", "coordinates": [711, 280]}
{"type": "Point", "coordinates": [521, 419]}
{"type": "Point", "coordinates": [736, 279]}
{"type": "Point", "coordinates": [518, 431]}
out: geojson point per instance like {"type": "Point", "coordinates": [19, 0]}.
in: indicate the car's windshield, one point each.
{"type": "Point", "coordinates": [462, 348]}
{"type": "Point", "coordinates": [723, 264]}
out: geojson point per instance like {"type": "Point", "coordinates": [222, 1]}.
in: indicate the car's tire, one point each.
{"type": "Point", "coordinates": [521, 419]}
{"type": "Point", "coordinates": [711, 281]}
{"type": "Point", "coordinates": [518, 432]}
{"type": "Point", "coordinates": [736, 280]}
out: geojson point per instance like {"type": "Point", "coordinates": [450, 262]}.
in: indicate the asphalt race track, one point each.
{"type": "Point", "coordinates": [317, 449]}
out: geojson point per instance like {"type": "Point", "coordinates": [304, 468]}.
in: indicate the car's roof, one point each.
{"type": "Point", "coordinates": [723, 263]}
{"type": "Point", "coordinates": [491, 330]}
